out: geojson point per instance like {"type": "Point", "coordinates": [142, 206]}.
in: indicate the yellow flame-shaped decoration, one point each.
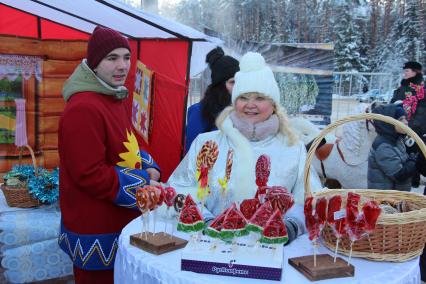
{"type": "Point", "coordinates": [132, 158]}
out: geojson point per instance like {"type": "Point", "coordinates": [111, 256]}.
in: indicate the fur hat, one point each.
{"type": "Point", "coordinates": [101, 42]}
{"type": "Point", "coordinates": [223, 67]}
{"type": "Point", "coordinates": [413, 65]}
{"type": "Point", "coordinates": [255, 77]}
{"type": "Point", "coordinates": [399, 111]}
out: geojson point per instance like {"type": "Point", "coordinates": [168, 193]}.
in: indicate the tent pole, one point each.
{"type": "Point", "coordinates": [185, 103]}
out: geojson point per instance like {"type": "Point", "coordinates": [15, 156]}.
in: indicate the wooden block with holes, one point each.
{"type": "Point", "coordinates": [157, 243]}
{"type": "Point", "coordinates": [326, 268]}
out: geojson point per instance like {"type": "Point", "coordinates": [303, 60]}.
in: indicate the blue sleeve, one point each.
{"type": "Point", "coordinates": [194, 126]}
{"type": "Point", "coordinates": [148, 161]}
{"type": "Point", "coordinates": [129, 180]}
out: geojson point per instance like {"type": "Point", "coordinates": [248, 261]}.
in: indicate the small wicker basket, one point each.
{"type": "Point", "coordinates": [20, 196]}
{"type": "Point", "coordinates": [397, 237]}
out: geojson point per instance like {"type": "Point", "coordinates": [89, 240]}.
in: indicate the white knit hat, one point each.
{"type": "Point", "coordinates": [255, 77]}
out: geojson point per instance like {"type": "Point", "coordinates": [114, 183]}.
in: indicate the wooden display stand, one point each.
{"type": "Point", "coordinates": [326, 268]}
{"type": "Point", "coordinates": [157, 243]}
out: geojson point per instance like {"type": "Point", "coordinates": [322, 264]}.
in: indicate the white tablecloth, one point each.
{"type": "Point", "coordinates": [29, 249]}
{"type": "Point", "coordinates": [133, 265]}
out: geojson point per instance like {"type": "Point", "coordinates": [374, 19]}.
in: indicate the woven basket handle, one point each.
{"type": "Point", "coordinates": [339, 122]}
{"type": "Point", "coordinates": [21, 150]}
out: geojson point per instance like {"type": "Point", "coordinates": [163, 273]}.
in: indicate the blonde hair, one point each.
{"type": "Point", "coordinates": [285, 128]}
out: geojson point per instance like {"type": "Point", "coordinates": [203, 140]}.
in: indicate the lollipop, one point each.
{"type": "Point", "coordinates": [155, 199]}
{"type": "Point", "coordinates": [263, 170]}
{"type": "Point", "coordinates": [216, 226]}
{"type": "Point", "coordinates": [312, 224]}
{"type": "Point", "coordinates": [275, 231]}
{"type": "Point", "coordinates": [311, 219]}
{"type": "Point", "coordinates": [142, 200]}
{"type": "Point", "coordinates": [224, 182]}
{"type": "Point", "coordinates": [371, 212]}
{"type": "Point", "coordinates": [280, 198]}
{"type": "Point", "coordinates": [352, 209]}
{"type": "Point", "coordinates": [146, 200]}
{"type": "Point", "coordinates": [206, 158]}
{"type": "Point", "coordinates": [321, 211]}
{"type": "Point", "coordinates": [336, 222]}
{"type": "Point", "coordinates": [249, 206]}
{"type": "Point", "coordinates": [260, 217]}
{"type": "Point", "coordinates": [179, 202]}
{"type": "Point", "coordinates": [234, 224]}
{"type": "Point", "coordinates": [169, 196]}
{"type": "Point", "coordinates": [355, 222]}
{"type": "Point", "coordinates": [190, 219]}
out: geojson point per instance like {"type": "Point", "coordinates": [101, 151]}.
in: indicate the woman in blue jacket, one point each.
{"type": "Point", "coordinates": [202, 115]}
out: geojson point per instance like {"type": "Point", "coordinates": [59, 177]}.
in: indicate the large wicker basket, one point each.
{"type": "Point", "coordinates": [397, 237]}
{"type": "Point", "coordinates": [20, 196]}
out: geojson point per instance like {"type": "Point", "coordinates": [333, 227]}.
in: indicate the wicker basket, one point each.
{"type": "Point", "coordinates": [20, 196]}
{"type": "Point", "coordinates": [397, 237]}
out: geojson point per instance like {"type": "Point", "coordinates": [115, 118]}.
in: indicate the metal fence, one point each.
{"type": "Point", "coordinates": [356, 83]}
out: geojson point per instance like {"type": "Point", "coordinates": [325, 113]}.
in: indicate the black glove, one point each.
{"type": "Point", "coordinates": [421, 164]}
{"type": "Point", "coordinates": [408, 169]}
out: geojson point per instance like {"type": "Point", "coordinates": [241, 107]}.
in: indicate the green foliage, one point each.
{"type": "Point", "coordinates": [297, 91]}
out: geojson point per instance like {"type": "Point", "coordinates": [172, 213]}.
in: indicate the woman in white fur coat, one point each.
{"type": "Point", "coordinates": [254, 125]}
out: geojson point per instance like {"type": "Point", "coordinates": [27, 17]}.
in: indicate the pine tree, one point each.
{"type": "Point", "coordinates": [391, 57]}
{"type": "Point", "coordinates": [348, 41]}
{"type": "Point", "coordinates": [298, 91]}
{"type": "Point", "coordinates": [414, 47]}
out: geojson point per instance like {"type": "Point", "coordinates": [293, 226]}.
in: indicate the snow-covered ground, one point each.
{"type": "Point", "coordinates": [418, 189]}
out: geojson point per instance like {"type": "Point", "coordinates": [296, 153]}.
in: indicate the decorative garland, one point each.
{"type": "Point", "coordinates": [44, 186]}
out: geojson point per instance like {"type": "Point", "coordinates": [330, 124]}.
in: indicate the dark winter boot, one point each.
{"type": "Point", "coordinates": [415, 180]}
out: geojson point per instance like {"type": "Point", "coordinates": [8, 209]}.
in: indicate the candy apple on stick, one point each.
{"type": "Point", "coordinates": [355, 223]}
{"type": "Point", "coordinates": [312, 224]}
{"type": "Point", "coordinates": [169, 196]}
{"type": "Point", "coordinates": [336, 220]}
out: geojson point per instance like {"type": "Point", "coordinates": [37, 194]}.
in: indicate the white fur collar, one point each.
{"type": "Point", "coordinates": [244, 174]}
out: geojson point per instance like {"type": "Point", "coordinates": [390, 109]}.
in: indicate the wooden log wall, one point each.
{"type": "Point", "coordinates": [59, 61]}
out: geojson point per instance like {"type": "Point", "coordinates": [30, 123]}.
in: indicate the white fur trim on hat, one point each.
{"type": "Point", "coordinates": [255, 77]}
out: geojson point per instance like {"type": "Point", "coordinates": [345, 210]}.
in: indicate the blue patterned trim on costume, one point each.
{"type": "Point", "coordinates": [130, 180]}
{"type": "Point", "coordinates": [89, 252]}
{"type": "Point", "coordinates": [148, 161]}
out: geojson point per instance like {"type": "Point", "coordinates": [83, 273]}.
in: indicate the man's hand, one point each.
{"type": "Point", "coordinates": [155, 183]}
{"type": "Point", "coordinates": [153, 174]}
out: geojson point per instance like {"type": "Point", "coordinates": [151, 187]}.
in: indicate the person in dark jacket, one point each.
{"type": "Point", "coordinates": [202, 115]}
{"type": "Point", "coordinates": [412, 93]}
{"type": "Point", "coordinates": [389, 165]}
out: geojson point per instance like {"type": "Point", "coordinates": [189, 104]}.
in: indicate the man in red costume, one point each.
{"type": "Point", "coordinates": [101, 164]}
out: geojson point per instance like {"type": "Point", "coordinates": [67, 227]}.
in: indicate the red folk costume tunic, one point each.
{"type": "Point", "coordinates": [100, 168]}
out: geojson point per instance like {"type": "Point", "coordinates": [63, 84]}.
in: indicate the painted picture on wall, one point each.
{"type": "Point", "coordinates": [142, 101]}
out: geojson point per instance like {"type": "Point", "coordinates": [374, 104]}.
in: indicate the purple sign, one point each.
{"type": "Point", "coordinates": [231, 269]}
